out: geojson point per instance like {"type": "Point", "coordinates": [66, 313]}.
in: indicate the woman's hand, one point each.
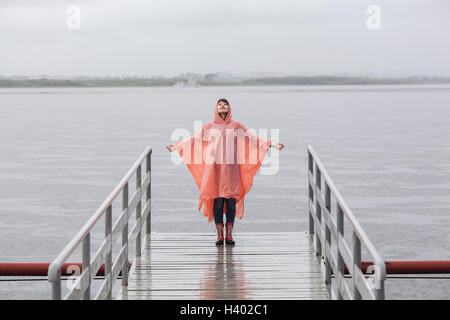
{"type": "Point", "coordinates": [170, 147]}
{"type": "Point", "coordinates": [278, 145]}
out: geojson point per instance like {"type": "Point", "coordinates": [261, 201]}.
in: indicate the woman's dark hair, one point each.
{"type": "Point", "coordinates": [223, 100]}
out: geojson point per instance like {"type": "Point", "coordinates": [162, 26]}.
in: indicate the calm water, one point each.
{"type": "Point", "coordinates": [387, 148]}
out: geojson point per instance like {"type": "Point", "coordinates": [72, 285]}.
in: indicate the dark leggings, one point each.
{"type": "Point", "coordinates": [230, 209]}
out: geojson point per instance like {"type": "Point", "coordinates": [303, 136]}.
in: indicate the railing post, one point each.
{"type": "Point", "coordinates": [138, 211]}
{"type": "Point", "coordinates": [340, 231]}
{"type": "Point", "coordinates": [56, 286]}
{"type": "Point", "coordinates": [310, 195]}
{"type": "Point", "coordinates": [125, 235]}
{"type": "Point", "coordinates": [148, 196]}
{"type": "Point", "coordinates": [356, 264]}
{"type": "Point", "coordinates": [86, 252]}
{"type": "Point", "coordinates": [317, 192]}
{"type": "Point", "coordinates": [108, 258]}
{"type": "Point", "coordinates": [327, 239]}
{"type": "Point", "coordinates": [379, 292]}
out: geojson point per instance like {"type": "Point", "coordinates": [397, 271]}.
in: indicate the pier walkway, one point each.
{"type": "Point", "coordinates": [318, 264]}
{"type": "Point", "coordinates": [279, 265]}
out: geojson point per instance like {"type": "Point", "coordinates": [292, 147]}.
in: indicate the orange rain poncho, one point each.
{"type": "Point", "coordinates": [223, 158]}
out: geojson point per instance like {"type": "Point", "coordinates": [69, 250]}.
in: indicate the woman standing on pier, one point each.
{"type": "Point", "coordinates": [223, 158]}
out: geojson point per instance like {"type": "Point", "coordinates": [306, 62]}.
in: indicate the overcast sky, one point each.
{"type": "Point", "coordinates": [167, 37]}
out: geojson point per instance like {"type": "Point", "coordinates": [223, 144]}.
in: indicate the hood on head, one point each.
{"type": "Point", "coordinates": [218, 118]}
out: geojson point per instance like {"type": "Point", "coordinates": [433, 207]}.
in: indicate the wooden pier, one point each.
{"type": "Point", "coordinates": [279, 265]}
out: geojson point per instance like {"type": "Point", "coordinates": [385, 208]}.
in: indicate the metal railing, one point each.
{"type": "Point", "coordinates": [330, 245]}
{"type": "Point", "coordinates": [81, 288]}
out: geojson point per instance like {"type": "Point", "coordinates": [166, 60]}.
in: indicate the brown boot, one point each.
{"type": "Point", "coordinates": [229, 239]}
{"type": "Point", "coordinates": [219, 228]}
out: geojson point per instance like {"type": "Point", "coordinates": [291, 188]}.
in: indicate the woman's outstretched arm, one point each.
{"type": "Point", "coordinates": [188, 141]}
{"type": "Point", "coordinates": [277, 145]}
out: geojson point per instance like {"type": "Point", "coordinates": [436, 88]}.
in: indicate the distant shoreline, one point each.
{"type": "Point", "coordinates": [180, 82]}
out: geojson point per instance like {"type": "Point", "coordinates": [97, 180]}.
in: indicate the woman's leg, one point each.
{"type": "Point", "coordinates": [231, 213]}
{"type": "Point", "coordinates": [218, 219]}
{"type": "Point", "coordinates": [231, 210]}
{"type": "Point", "coordinates": [218, 210]}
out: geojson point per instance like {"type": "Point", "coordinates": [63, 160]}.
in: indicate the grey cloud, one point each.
{"type": "Point", "coordinates": [133, 37]}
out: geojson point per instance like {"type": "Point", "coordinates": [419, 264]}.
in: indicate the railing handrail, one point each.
{"type": "Point", "coordinates": [348, 212]}
{"type": "Point", "coordinates": [55, 267]}
{"type": "Point", "coordinates": [357, 228]}
{"type": "Point", "coordinates": [70, 247]}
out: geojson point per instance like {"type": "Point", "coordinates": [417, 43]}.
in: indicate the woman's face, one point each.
{"type": "Point", "coordinates": [222, 107]}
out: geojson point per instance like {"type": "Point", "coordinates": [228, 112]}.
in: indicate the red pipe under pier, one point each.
{"type": "Point", "coordinates": [68, 269]}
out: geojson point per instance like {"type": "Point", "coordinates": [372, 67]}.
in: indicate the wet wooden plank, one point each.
{"type": "Point", "coordinates": [276, 265]}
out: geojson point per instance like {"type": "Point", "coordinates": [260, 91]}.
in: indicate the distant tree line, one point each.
{"type": "Point", "coordinates": [211, 80]}
{"type": "Point", "coordinates": [113, 82]}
